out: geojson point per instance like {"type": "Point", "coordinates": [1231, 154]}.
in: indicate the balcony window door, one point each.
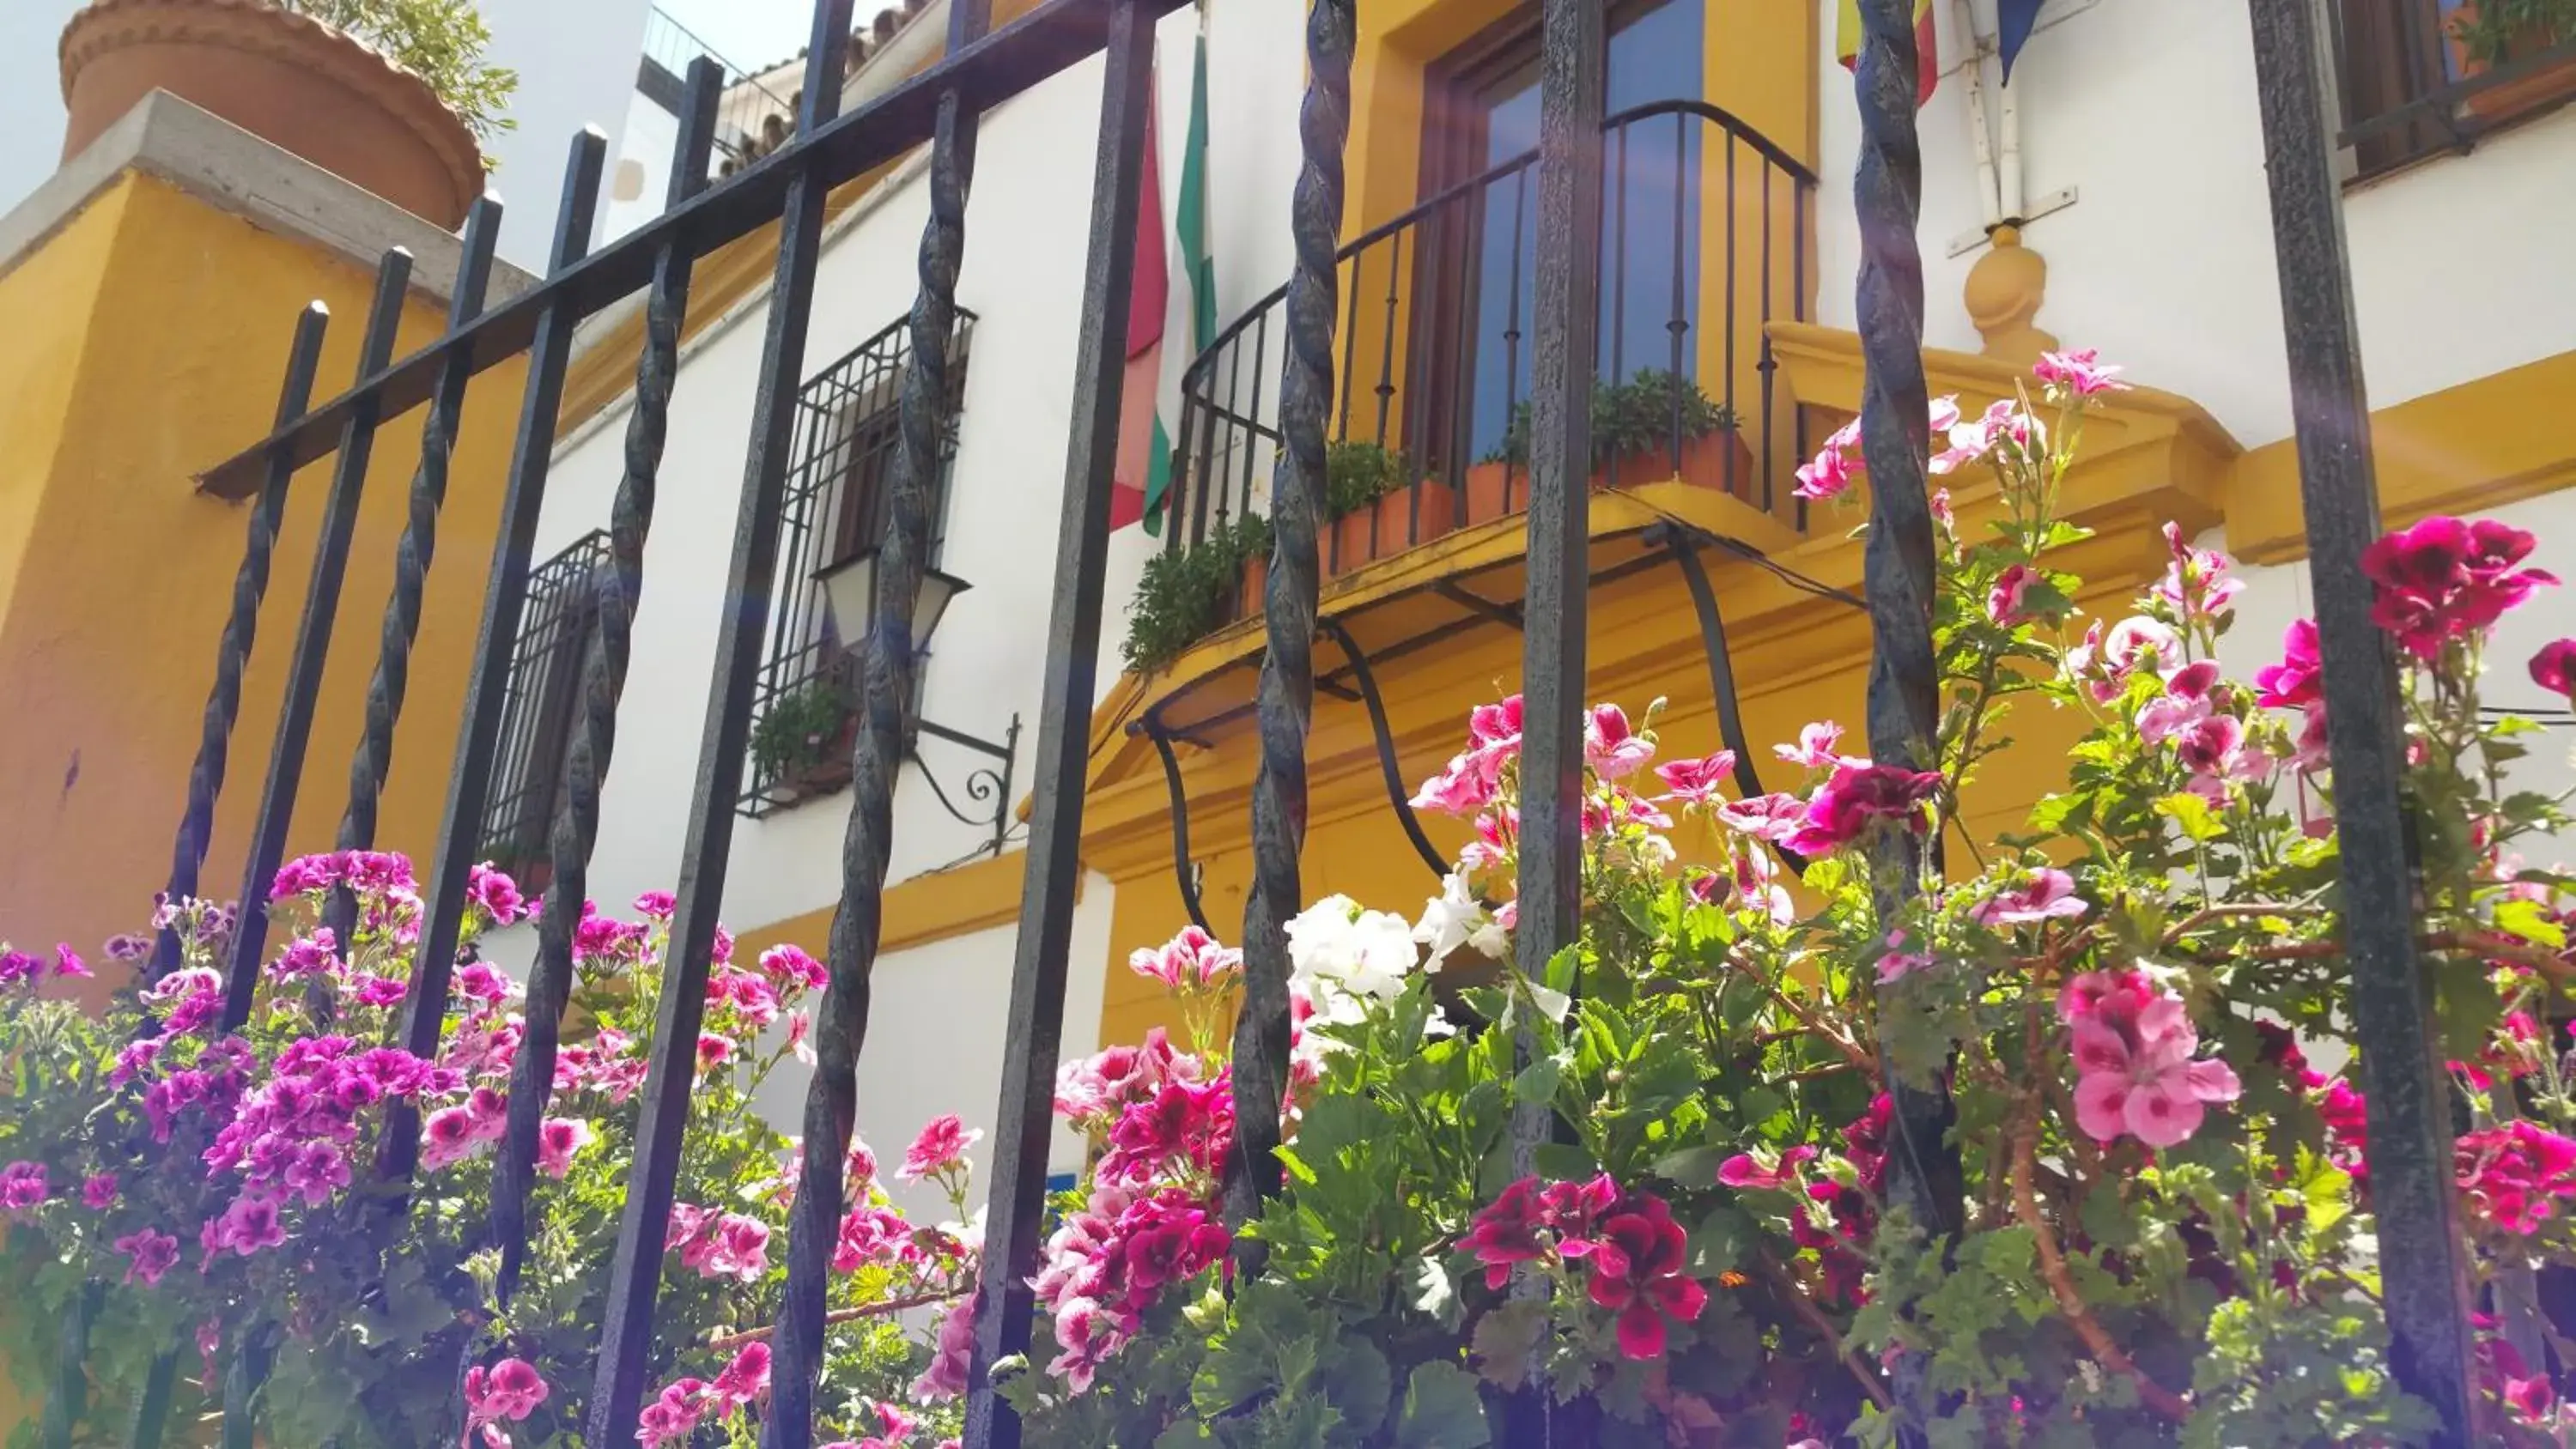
{"type": "Point", "coordinates": [1485, 116]}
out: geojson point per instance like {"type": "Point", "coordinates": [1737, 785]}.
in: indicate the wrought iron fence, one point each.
{"type": "Point", "coordinates": [1703, 242]}
{"type": "Point", "coordinates": [839, 497]}
{"type": "Point", "coordinates": [2410, 1149]}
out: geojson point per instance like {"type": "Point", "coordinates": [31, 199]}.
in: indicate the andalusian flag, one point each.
{"type": "Point", "coordinates": [1171, 304]}
{"type": "Point", "coordinates": [1927, 51]}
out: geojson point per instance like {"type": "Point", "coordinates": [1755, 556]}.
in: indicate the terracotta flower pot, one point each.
{"type": "Point", "coordinates": [1389, 526]}
{"type": "Point", "coordinates": [2516, 96]}
{"type": "Point", "coordinates": [287, 78]}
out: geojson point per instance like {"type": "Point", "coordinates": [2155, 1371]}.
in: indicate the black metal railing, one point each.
{"type": "Point", "coordinates": [839, 493]}
{"type": "Point", "coordinates": [537, 719]}
{"type": "Point", "coordinates": [742, 117]}
{"type": "Point", "coordinates": [1703, 243]}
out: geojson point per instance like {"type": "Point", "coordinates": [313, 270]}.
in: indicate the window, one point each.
{"type": "Point", "coordinates": [848, 435]}
{"type": "Point", "coordinates": [1481, 115]}
{"type": "Point", "coordinates": [538, 713]}
{"type": "Point", "coordinates": [2412, 87]}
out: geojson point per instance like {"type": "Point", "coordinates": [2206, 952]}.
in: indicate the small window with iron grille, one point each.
{"type": "Point", "coordinates": [848, 433]}
{"type": "Point", "coordinates": [543, 703]}
{"type": "Point", "coordinates": [2421, 77]}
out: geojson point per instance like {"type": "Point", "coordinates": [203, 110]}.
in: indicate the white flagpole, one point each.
{"type": "Point", "coordinates": [1974, 78]}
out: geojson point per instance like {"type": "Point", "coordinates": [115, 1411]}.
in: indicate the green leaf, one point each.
{"type": "Point", "coordinates": [1506, 1339]}
{"type": "Point", "coordinates": [2198, 821]}
{"type": "Point", "coordinates": [2530, 920]}
{"type": "Point", "coordinates": [1442, 1410]}
{"type": "Point", "coordinates": [1564, 1162]}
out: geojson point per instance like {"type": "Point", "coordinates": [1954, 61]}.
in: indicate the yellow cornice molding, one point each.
{"type": "Point", "coordinates": [2481, 444]}
{"type": "Point", "coordinates": [935, 907]}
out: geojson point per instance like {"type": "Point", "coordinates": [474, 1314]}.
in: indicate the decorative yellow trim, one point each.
{"type": "Point", "coordinates": [919, 911]}
{"type": "Point", "coordinates": [2481, 444]}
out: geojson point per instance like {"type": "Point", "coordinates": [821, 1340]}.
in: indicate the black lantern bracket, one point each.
{"type": "Point", "coordinates": [986, 788]}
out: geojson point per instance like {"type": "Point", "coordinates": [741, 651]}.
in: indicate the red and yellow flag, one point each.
{"type": "Point", "coordinates": [1927, 49]}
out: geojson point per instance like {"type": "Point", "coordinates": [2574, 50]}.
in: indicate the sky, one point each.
{"type": "Point", "coordinates": [753, 33]}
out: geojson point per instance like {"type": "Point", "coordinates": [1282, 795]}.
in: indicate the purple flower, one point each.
{"type": "Point", "coordinates": [67, 962]}
{"type": "Point", "coordinates": [2047, 895]}
{"type": "Point", "coordinates": [497, 894]}
{"type": "Point", "coordinates": [128, 947]}
{"type": "Point", "coordinates": [152, 1253]}
{"type": "Point", "coordinates": [22, 1186]}
{"type": "Point", "coordinates": [17, 966]}
{"type": "Point", "coordinates": [98, 1194]}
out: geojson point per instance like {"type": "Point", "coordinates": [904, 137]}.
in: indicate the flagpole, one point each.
{"type": "Point", "coordinates": [1988, 196]}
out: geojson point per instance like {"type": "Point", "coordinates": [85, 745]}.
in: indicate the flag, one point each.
{"type": "Point", "coordinates": [1174, 304]}
{"type": "Point", "coordinates": [1927, 51]}
{"type": "Point", "coordinates": [2014, 20]}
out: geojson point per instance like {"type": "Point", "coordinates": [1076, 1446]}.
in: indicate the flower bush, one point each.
{"type": "Point", "coordinates": [195, 1184]}
{"type": "Point", "coordinates": [2160, 1215]}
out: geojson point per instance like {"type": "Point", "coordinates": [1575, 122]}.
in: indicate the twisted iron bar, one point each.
{"type": "Point", "coordinates": [867, 850]}
{"type": "Point", "coordinates": [619, 587]}
{"type": "Point", "coordinates": [1898, 580]}
{"type": "Point", "coordinates": [241, 633]}
{"type": "Point", "coordinates": [1287, 695]}
{"type": "Point", "coordinates": [374, 757]}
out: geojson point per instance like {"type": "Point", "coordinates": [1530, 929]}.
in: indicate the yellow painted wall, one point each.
{"type": "Point", "coordinates": [155, 329]}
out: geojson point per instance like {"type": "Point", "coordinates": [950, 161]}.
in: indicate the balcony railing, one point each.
{"type": "Point", "coordinates": [1705, 234]}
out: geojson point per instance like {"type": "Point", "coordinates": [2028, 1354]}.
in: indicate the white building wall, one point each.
{"type": "Point", "coordinates": [639, 179]}
{"type": "Point", "coordinates": [2148, 109]}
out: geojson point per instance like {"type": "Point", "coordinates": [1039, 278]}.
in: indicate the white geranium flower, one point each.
{"type": "Point", "coordinates": [1334, 944]}
{"type": "Point", "coordinates": [1455, 918]}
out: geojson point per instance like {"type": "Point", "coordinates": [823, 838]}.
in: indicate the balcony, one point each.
{"type": "Point", "coordinates": [1705, 242]}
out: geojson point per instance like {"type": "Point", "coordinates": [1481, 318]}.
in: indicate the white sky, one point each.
{"type": "Point", "coordinates": [754, 33]}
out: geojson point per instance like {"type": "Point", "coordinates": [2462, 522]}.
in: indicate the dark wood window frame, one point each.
{"type": "Point", "coordinates": [2392, 65]}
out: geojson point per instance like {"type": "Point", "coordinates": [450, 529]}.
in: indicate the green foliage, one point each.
{"type": "Point", "coordinates": [1357, 475]}
{"type": "Point", "coordinates": [2494, 32]}
{"type": "Point", "coordinates": [1649, 412]}
{"type": "Point", "coordinates": [441, 41]}
{"type": "Point", "coordinates": [1185, 594]}
{"type": "Point", "coordinates": [800, 730]}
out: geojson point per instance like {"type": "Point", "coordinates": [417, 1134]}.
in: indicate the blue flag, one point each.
{"type": "Point", "coordinates": [2013, 22]}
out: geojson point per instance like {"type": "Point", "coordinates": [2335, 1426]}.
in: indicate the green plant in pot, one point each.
{"type": "Point", "coordinates": [1185, 594]}
{"type": "Point", "coordinates": [1357, 475]}
{"type": "Point", "coordinates": [441, 41]}
{"type": "Point", "coordinates": [2495, 32]}
{"type": "Point", "coordinates": [796, 738]}
{"type": "Point", "coordinates": [1651, 411]}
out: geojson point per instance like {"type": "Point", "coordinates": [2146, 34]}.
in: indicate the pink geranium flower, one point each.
{"type": "Point", "coordinates": [2444, 579]}
{"type": "Point", "coordinates": [557, 1140]}
{"type": "Point", "coordinates": [1610, 746]}
{"type": "Point", "coordinates": [507, 1391]}
{"type": "Point", "coordinates": [1746, 1172]}
{"type": "Point", "coordinates": [1640, 1260]}
{"type": "Point", "coordinates": [1696, 782]}
{"type": "Point", "coordinates": [1815, 747]}
{"type": "Point", "coordinates": [2199, 584]}
{"type": "Point", "coordinates": [1857, 794]}
{"type": "Point", "coordinates": [1831, 472]}
{"type": "Point", "coordinates": [2007, 601]}
{"type": "Point", "coordinates": [2047, 895]}
{"type": "Point", "coordinates": [2299, 679]}
{"type": "Point", "coordinates": [940, 1147]}
{"type": "Point", "coordinates": [2079, 372]}
{"type": "Point", "coordinates": [2554, 667]}
{"type": "Point", "coordinates": [150, 1254]}
{"type": "Point", "coordinates": [1190, 961]}
{"type": "Point", "coordinates": [2132, 1045]}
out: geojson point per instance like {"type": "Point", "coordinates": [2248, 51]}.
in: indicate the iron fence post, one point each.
{"type": "Point", "coordinates": [241, 631]}
{"type": "Point", "coordinates": [1287, 690]}
{"type": "Point", "coordinates": [889, 665]}
{"type": "Point", "coordinates": [487, 681]}
{"type": "Point", "coordinates": [2425, 1286]}
{"type": "Point", "coordinates": [1566, 314]}
{"type": "Point", "coordinates": [1924, 1178]}
{"type": "Point", "coordinates": [626, 1335]}
{"type": "Point", "coordinates": [312, 643]}
{"type": "Point", "coordinates": [1023, 1120]}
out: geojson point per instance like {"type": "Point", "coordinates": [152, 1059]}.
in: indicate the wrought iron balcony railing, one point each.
{"type": "Point", "coordinates": [1705, 233]}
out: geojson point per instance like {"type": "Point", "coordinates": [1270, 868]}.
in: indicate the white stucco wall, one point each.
{"type": "Point", "coordinates": [576, 63]}
{"type": "Point", "coordinates": [2148, 109]}
{"type": "Point", "coordinates": [642, 159]}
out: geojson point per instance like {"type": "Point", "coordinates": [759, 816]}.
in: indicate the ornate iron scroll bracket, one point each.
{"type": "Point", "coordinates": [1386, 763]}
{"type": "Point", "coordinates": [983, 786]}
{"type": "Point", "coordinates": [1185, 871]}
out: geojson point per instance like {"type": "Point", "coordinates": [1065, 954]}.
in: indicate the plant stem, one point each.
{"type": "Point", "coordinates": [2061, 1283]}
{"type": "Point", "coordinates": [836, 1316]}
{"type": "Point", "coordinates": [1815, 1318]}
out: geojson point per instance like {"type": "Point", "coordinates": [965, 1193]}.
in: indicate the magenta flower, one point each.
{"type": "Point", "coordinates": [2048, 895]}
{"type": "Point", "coordinates": [674, 1413]}
{"type": "Point", "coordinates": [746, 1378]}
{"type": "Point", "coordinates": [150, 1254]}
{"type": "Point", "coordinates": [497, 894]}
{"type": "Point", "coordinates": [656, 905]}
{"type": "Point", "coordinates": [1831, 472]}
{"type": "Point", "coordinates": [2511, 1175]}
{"type": "Point", "coordinates": [1640, 1261]}
{"type": "Point", "coordinates": [2199, 583]}
{"type": "Point", "coordinates": [1856, 795]}
{"type": "Point", "coordinates": [2444, 579]}
{"type": "Point", "coordinates": [1897, 963]}
{"type": "Point", "coordinates": [2554, 667]}
{"type": "Point", "coordinates": [2007, 602]}
{"type": "Point", "coordinates": [23, 1185]}
{"type": "Point", "coordinates": [789, 966]}
{"type": "Point", "coordinates": [1506, 1232]}
{"type": "Point", "coordinates": [2079, 372]}
{"type": "Point", "coordinates": [67, 962]}
{"type": "Point", "coordinates": [509, 1390]}
{"type": "Point", "coordinates": [98, 1193]}
{"type": "Point", "coordinates": [557, 1140]}
{"type": "Point", "coordinates": [940, 1148]}
{"type": "Point", "coordinates": [1610, 747]}
{"type": "Point", "coordinates": [1696, 782]}
{"type": "Point", "coordinates": [1750, 1172]}
{"type": "Point", "coordinates": [2299, 679]}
